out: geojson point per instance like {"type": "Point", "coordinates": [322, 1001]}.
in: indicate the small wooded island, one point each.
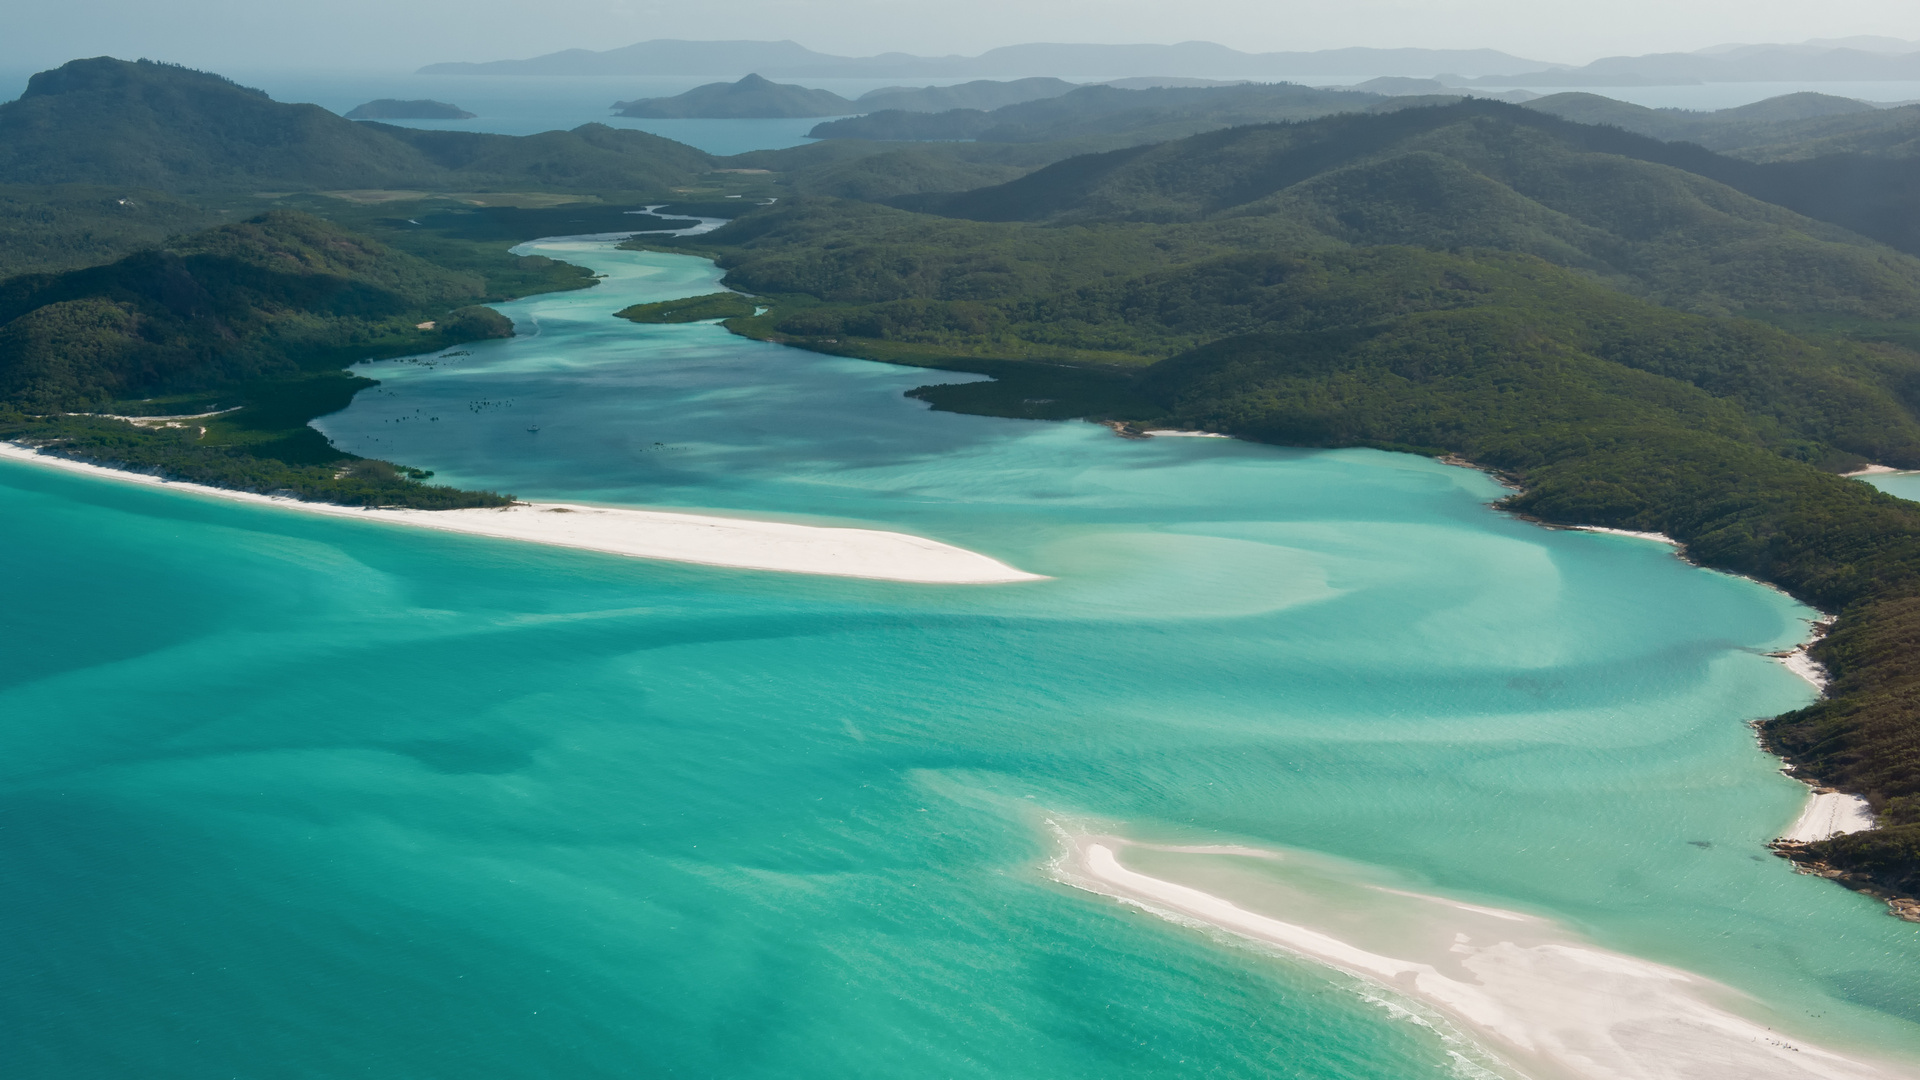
{"type": "Point", "coordinates": [395, 109]}
{"type": "Point", "coordinates": [751, 98]}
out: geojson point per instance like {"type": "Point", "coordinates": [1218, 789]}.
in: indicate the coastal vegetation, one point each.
{"type": "Point", "coordinates": [205, 359]}
{"type": "Point", "coordinates": [721, 305]}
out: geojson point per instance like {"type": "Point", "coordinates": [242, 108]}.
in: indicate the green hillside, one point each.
{"type": "Point", "coordinates": [146, 125]}
{"type": "Point", "coordinates": [1477, 174]}
{"type": "Point", "coordinates": [1145, 115]}
{"type": "Point", "coordinates": [251, 321]}
{"type": "Point", "coordinates": [979, 94]}
{"type": "Point", "coordinates": [1791, 127]}
{"type": "Point", "coordinates": [47, 227]}
{"type": "Point", "coordinates": [590, 158]}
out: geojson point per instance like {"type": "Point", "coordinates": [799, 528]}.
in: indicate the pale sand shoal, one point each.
{"type": "Point", "coordinates": [1173, 433]}
{"type": "Point", "coordinates": [1829, 813]}
{"type": "Point", "coordinates": [1873, 470]}
{"type": "Point", "coordinates": [1534, 995]}
{"type": "Point", "coordinates": [645, 534]}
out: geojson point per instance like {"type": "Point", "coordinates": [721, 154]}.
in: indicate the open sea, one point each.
{"type": "Point", "coordinates": [295, 797]}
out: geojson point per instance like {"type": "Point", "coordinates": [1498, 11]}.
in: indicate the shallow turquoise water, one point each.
{"type": "Point", "coordinates": [1904, 484]}
{"type": "Point", "coordinates": [293, 797]}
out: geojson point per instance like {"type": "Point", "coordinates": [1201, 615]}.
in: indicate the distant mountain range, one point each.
{"type": "Point", "coordinates": [786, 59]}
{"type": "Point", "coordinates": [1858, 60]}
{"type": "Point", "coordinates": [1855, 59]}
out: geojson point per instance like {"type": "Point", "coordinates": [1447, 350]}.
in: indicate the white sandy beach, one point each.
{"type": "Point", "coordinates": [1805, 666]}
{"type": "Point", "coordinates": [645, 534]}
{"type": "Point", "coordinates": [1829, 813]}
{"type": "Point", "coordinates": [1658, 538]}
{"type": "Point", "coordinates": [1533, 994]}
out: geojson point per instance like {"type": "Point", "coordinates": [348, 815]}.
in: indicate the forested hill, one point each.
{"type": "Point", "coordinates": [251, 321]}
{"type": "Point", "coordinates": [1790, 127]}
{"type": "Point", "coordinates": [1143, 115]}
{"type": "Point", "coordinates": [1474, 172]}
{"type": "Point", "coordinates": [167, 128]}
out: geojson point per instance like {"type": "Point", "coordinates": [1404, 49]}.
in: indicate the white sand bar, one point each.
{"type": "Point", "coordinates": [1534, 995]}
{"type": "Point", "coordinates": [1830, 813]}
{"type": "Point", "coordinates": [645, 534]}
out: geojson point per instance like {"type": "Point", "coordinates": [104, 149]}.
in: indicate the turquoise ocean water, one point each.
{"type": "Point", "coordinates": [284, 796]}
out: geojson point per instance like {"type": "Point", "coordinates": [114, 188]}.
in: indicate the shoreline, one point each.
{"type": "Point", "coordinates": [1828, 813]}
{"type": "Point", "coordinates": [699, 539]}
{"type": "Point", "coordinates": [1532, 994]}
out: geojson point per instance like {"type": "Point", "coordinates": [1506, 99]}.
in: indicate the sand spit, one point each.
{"type": "Point", "coordinates": [1532, 995]}
{"type": "Point", "coordinates": [1829, 813]}
{"type": "Point", "coordinates": [1174, 433]}
{"type": "Point", "coordinates": [645, 534]}
{"type": "Point", "coordinates": [1873, 470]}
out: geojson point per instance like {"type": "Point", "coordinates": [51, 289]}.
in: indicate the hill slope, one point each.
{"type": "Point", "coordinates": [248, 323]}
{"type": "Point", "coordinates": [107, 121]}
{"type": "Point", "coordinates": [1477, 174]}
{"type": "Point", "coordinates": [1142, 115]}
{"type": "Point", "coordinates": [1792, 127]}
{"type": "Point", "coordinates": [979, 94]}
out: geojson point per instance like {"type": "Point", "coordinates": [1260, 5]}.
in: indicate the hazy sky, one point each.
{"type": "Point", "coordinates": [403, 34]}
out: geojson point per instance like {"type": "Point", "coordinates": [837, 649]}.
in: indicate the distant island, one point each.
{"type": "Point", "coordinates": [751, 98]}
{"type": "Point", "coordinates": [394, 109]}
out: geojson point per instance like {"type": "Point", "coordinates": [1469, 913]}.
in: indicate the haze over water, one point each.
{"type": "Point", "coordinates": [298, 797]}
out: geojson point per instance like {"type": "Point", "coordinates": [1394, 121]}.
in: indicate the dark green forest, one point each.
{"type": "Point", "coordinates": [251, 322]}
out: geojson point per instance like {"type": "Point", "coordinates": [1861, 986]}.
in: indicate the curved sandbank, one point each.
{"type": "Point", "coordinates": [737, 543]}
{"type": "Point", "coordinates": [1531, 994]}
